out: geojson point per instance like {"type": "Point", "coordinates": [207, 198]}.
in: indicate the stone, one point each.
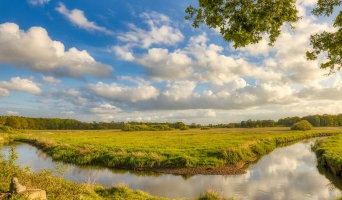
{"type": "Point", "coordinates": [16, 187]}
{"type": "Point", "coordinates": [35, 194]}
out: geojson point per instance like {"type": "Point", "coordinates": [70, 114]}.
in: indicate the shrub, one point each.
{"type": "Point", "coordinates": [5, 129]}
{"type": "Point", "coordinates": [184, 128]}
{"type": "Point", "coordinates": [303, 125]}
{"type": "Point", "coordinates": [205, 128]}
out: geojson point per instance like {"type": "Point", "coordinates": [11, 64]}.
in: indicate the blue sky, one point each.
{"type": "Point", "coordinates": [141, 61]}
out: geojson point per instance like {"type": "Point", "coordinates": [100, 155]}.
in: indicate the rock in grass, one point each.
{"type": "Point", "coordinates": [35, 194]}
{"type": "Point", "coordinates": [16, 187]}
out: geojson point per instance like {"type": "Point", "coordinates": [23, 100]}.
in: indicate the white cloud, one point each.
{"type": "Point", "coordinates": [38, 2]}
{"type": "Point", "coordinates": [12, 113]}
{"type": "Point", "coordinates": [104, 109]}
{"type": "Point", "coordinates": [160, 32]}
{"type": "Point", "coordinates": [78, 18]}
{"type": "Point", "coordinates": [123, 52]}
{"type": "Point", "coordinates": [117, 92]}
{"type": "Point", "coordinates": [35, 50]}
{"type": "Point", "coordinates": [68, 112]}
{"type": "Point", "coordinates": [196, 62]}
{"type": "Point", "coordinates": [161, 64]}
{"type": "Point", "coordinates": [51, 79]}
{"type": "Point", "coordinates": [210, 113]}
{"type": "Point", "coordinates": [4, 92]}
{"type": "Point", "coordinates": [19, 84]}
{"type": "Point", "coordinates": [179, 90]}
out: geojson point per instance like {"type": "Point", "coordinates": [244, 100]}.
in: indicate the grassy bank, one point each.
{"type": "Point", "coordinates": [3, 138]}
{"type": "Point", "coordinates": [329, 153]}
{"type": "Point", "coordinates": [58, 188]}
{"type": "Point", "coordinates": [171, 149]}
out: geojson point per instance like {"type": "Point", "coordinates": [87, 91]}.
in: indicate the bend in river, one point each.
{"type": "Point", "coordinates": [286, 173]}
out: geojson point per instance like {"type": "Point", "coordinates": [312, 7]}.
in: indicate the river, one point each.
{"type": "Point", "coordinates": [287, 173]}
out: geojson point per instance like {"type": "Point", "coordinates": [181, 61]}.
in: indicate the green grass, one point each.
{"type": "Point", "coordinates": [169, 149]}
{"type": "Point", "coordinates": [329, 152]}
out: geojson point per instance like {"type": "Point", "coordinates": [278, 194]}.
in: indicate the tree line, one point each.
{"type": "Point", "coordinates": [16, 122]}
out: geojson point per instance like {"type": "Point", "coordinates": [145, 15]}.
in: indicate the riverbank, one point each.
{"type": "Point", "coordinates": [59, 188]}
{"type": "Point", "coordinates": [216, 151]}
{"type": "Point", "coordinates": [329, 153]}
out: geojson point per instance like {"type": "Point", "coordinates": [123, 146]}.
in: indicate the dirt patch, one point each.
{"type": "Point", "coordinates": [222, 170]}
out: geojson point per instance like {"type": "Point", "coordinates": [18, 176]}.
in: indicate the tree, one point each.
{"type": "Point", "coordinates": [245, 22]}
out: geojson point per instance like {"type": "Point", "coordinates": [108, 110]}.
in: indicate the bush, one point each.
{"type": "Point", "coordinates": [5, 129]}
{"type": "Point", "coordinates": [183, 128]}
{"type": "Point", "coordinates": [303, 125]}
{"type": "Point", "coordinates": [205, 128]}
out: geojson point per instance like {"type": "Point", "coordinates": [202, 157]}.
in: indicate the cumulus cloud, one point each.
{"type": "Point", "coordinates": [19, 84]}
{"type": "Point", "coordinates": [104, 109]}
{"type": "Point", "coordinates": [198, 61]}
{"type": "Point", "coordinates": [179, 90]}
{"type": "Point", "coordinates": [160, 32]}
{"type": "Point", "coordinates": [117, 92]}
{"type": "Point", "coordinates": [4, 92]}
{"type": "Point", "coordinates": [34, 49]}
{"type": "Point", "coordinates": [68, 112]}
{"type": "Point", "coordinates": [51, 79]}
{"type": "Point", "coordinates": [78, 18]}
{"type": "Point", "coordinates": [161, 64]}
{"type": "Point", "coordinates": [12, 112]}
{"type": "Point", "coordinates": [38, 2]}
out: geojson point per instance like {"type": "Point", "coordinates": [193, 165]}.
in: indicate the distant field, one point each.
{"type": "Point", "coordinates": [169, 149]}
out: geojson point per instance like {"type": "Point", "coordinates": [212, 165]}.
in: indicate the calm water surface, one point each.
{"type": "Point", "coordinates": [286, 173]}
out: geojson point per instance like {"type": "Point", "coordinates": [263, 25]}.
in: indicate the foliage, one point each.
{"type": "Point", "coordinates": [303, 125]}
{"type": "Point", "coordinates": [164, 149]}
{"type": "Point", "coordinates": [328, 42]}
{"type": "Point", "coordinates": [5, 129]}
{"type": "Point", "coordinates": [146, 127]}
{"type": "Point", "coordinates": [245, 22]}
{"type": "Point", "coordinates": [212, 195]}
{"type": "Point", "coordinates": [205, 128]}
{"type": "Point", "coordinates": [184, 128]}
{"type": "Point", "coordinates": [17, 122]}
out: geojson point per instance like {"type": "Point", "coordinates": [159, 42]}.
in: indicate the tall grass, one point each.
{"type": "Point", "coordinates": [329, 153]}
{"type": "Point", "coordinates": [171, 149]}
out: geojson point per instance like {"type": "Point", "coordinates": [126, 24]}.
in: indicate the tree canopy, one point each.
{"type": "Point", "coordinates": [246, 21]}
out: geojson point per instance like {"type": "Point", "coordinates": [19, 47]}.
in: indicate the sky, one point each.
{"type": "Point", "coordinates": [140, 60]}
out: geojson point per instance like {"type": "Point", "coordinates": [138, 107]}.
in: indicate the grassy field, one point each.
{"type": "Point", "coordinates": [169, 149]}
{"type": "Point", "coordinates": [329, 152]}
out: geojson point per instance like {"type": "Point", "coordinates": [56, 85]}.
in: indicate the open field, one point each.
{"type": "Point", "coordinates": [189, 149]}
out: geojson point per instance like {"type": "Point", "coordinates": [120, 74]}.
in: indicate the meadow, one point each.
{"type": "Point", "coordinates": [192, 148]}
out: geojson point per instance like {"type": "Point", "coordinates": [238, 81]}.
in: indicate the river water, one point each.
{"type": "Point", "coordinates": [287, 173]}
